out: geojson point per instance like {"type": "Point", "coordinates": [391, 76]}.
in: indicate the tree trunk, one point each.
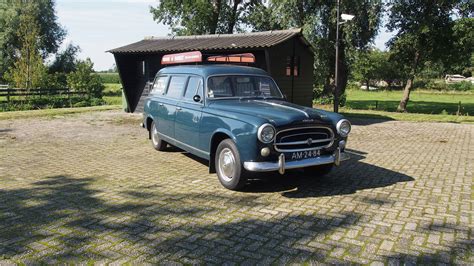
{"type": "Point", "coordinates": [233, 17]}
{"type": "Point", "coordinates": [367, 84]}
{"type": "Point", "coordinates": [402, 106]}
{"type": "Point", "coordinates": [215, 16]}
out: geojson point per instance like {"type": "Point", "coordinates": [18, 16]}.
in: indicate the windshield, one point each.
{"type": "Point", "coordinates": [242, 86]}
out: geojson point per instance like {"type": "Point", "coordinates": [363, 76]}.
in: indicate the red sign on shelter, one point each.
{"type": "Point", "coordinates": [189, 57]}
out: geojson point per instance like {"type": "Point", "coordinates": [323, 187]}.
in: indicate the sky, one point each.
{"type": "Point", "coordinates": [100, 25]}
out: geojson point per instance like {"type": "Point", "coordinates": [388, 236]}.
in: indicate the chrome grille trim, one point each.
{"type": "Point", "coordinates": [303, 142]}
{"type": "Point", "coordinates": [313, 133]}
{"type": "Point", "coordinates": [329, 139]}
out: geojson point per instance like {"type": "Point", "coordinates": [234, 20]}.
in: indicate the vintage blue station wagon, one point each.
{"type": "Point", "coordinates": [237, 118]}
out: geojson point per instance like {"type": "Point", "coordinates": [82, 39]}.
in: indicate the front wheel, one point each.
{"type": "Point", "coordinates": [228, 166]}
{"type": "Point", "coordinates": [156, 141]}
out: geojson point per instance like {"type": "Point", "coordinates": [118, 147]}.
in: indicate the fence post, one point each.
{"type": "Point", "coordinates": [459, 108]}
{"type": "Point", "coordinates": [8, 95]}
{"type": "Point", "coordinates": [376, 105]}
{"type": "Point", "coordinates": [68, 91]}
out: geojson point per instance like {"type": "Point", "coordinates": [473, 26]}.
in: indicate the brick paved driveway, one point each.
{"type": "Point", "coordinates": [90, 187]}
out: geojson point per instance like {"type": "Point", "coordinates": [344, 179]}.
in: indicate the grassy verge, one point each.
{"type": "Point", "coordinates": [383, 115]}
{"type": "Point", "coordinates": [113, 100]}
{"type": "Point", "coordinates": [424, 102]}
{"type": "Point", "coordinates": [54, 112]}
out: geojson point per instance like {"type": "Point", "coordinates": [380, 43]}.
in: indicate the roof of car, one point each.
{"type": "Point", "coordinates": [209, 70]}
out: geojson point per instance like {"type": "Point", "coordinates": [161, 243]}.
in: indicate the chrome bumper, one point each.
{"type": "Point", "coordinates": [282, 165]}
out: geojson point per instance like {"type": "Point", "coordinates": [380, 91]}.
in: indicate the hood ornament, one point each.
{"type": "Point", "coordinates": [309, 141]}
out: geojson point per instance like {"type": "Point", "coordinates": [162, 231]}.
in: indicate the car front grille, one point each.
{"type": "Point", "coordinates": [303, 139]}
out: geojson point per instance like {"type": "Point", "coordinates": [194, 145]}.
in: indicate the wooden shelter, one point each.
{"type": "Point", "coordinates": [286, 55]}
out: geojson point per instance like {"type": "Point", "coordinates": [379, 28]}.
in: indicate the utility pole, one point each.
{"type": "Point", "coordinates": [336, 70]}
{"type": "Point", "coordinates": [346, 18]}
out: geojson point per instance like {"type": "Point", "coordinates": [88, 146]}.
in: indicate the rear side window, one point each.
{"type": "Point", "coordinates": [194, 88]}
{"type": "Point", "coordinates": [176, 87]}
{"type": "Point", "coordinates": [159, 86]}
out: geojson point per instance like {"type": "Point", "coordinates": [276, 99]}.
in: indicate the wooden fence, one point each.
{"type": "Point", "coordinates": [8, 93]}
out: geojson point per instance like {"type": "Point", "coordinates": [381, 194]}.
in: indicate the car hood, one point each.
{"type": "Point", "coordinates": [278, 112]}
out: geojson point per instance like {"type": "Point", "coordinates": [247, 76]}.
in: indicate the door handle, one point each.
{"type": "Point", "coordinates": [160, 104]}
{"type": "Point", "coordinates": [178, 108]}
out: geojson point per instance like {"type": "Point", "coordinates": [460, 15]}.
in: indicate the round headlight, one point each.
{"type": "Point", "coordinates": [266, 133]}
{"type": "Point", "coordinates": [343, 127]}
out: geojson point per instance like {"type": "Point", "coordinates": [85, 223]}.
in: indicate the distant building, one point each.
{"type": "Point", "coordinates": [286, 55]}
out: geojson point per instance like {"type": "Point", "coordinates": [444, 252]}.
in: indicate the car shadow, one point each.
{"type": "Point", "coordinates": [174, 149]}
{"type": "Point", "coordinates": [352, 176]}
{"type": "Point", "coordinates": [366, 119]}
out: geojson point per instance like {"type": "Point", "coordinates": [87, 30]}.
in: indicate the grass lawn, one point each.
{"type": "Point", "coordinates": [383, 115]}
{"type": "Point", "coordinates": [112, 89]}
{"type": "Point", "coordinates": [424, 102]}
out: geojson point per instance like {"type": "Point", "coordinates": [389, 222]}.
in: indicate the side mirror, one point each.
{"type": "Point", "coordinates": [197, 98]}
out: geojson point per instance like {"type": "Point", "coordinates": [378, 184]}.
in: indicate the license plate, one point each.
{"type": "Point", "coordinates": [300, 155]}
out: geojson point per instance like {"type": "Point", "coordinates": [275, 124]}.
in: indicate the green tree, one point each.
{"type": "Point", "coordinates": [424, 31]}
{"type": "Point", "coordinates": [261, 16]}
{"type": "Point", "coordinates": [189, 17]}
{"type": "Point", "coordinates": [318, 20]}
{"type": "Point", "coordinates": [28, 70]}
{"type": "Point", "coordinates": [50, 32]}
{"type": "Point", "coordinates": [65, 61]}
{"type": "Point", "coordinates": [373, 64]}
{"type": "Point", "coordinates": [84, 79]}
{"type": "Point", "coordinates": [462, 56]}
{"type": "Point", "coordinates": [368, 66]}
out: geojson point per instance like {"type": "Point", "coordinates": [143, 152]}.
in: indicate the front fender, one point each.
{"type": "Point", "coordinates": [245, 138]}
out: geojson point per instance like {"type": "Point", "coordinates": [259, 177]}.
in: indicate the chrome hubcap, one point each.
{"type": "Point", "coordinates": [154, 135]}
{"type": "Point", "coordinates": [226, 164]}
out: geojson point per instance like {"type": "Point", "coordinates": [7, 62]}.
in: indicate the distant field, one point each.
{"type": "Point", "coordinates": [424, 102]}
{"type": "Point", "coordinates": [109, 77]}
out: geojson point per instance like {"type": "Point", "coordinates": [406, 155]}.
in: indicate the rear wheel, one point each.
{"type": "Point", "coordinates": [319, 170]}
{"type": "Point", "coordinates": [229, 168]}
{"type": "Point", "coordinates": [156, 141]}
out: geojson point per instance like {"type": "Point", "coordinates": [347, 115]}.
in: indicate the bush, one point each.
{"type": "Point", "coordinates": [329, 99]}
{"type": "Point", "coordinates": [89, 102]}
{"type": "Point", "coordinates": [51, 102]}
{"type": "Point", "coordinates": [109, 78]}
{"type": "Point", "coordinates": [462, 86]}
{"type": "Point", "coordinates": [85, 80]}
{"type": "Point", "coordinates": [430, 84]}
